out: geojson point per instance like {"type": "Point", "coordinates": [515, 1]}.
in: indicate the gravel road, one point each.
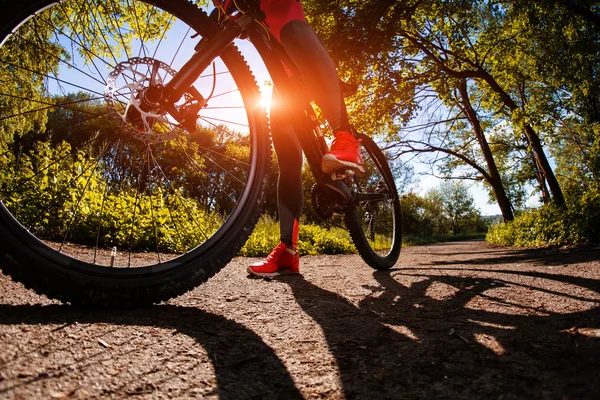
{"type": "Point", "coordinates": [457, 320]}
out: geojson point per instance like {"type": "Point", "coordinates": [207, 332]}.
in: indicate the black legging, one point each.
{"type": "Point", "coordinates": [320, 76]}
{"type": "Point", "coordinates": [289, 185]}
{"type": "Point", "coordinates": [317, 71]}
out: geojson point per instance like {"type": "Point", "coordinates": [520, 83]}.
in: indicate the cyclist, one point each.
{"type": "Point", "coordinates": [285, 20]}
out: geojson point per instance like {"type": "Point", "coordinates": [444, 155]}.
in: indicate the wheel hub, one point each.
{"type": "Point", "coordinates": [134, 91]}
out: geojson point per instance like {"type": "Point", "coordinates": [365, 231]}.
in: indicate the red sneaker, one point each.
{"type": "Point", "coordinates": [344, 154]}
{"type": "Point", "coordinates": [279, 262]}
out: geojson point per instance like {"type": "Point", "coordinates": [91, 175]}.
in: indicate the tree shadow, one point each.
{"type": "Point", "coordinates": [550, 257]}
{"type": "Point", "coordinates": [401, 343]}
{"type": "Point", "coordinates": [245, 366]}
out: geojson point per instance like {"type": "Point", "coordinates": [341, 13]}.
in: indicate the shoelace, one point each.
{"type": "Point", "coordinates": [277, 252]}
{"type": "Point", "coordinates": [345, 144]}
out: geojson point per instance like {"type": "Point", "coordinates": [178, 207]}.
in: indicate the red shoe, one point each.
{"type": "Point", "coordinates": [344, 154]}
{"type": "Point", "coordinates": [279, 262]}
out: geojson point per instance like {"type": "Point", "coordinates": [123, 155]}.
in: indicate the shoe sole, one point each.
{"type": "Point", "coordinates": [271, 274]}
{"type": "Point", "coordinates": [330, 164]}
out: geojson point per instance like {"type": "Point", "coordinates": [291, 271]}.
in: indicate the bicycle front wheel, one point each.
{"type": "Point", "coordinates": [106, 198]}
{"type": "Point", "coordinates": [374, 222]}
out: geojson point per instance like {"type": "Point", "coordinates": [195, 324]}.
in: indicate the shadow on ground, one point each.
{"type": "Point", "coordinates": [401, 342]}
{"type": "Point", "coordinates": [244, 365]}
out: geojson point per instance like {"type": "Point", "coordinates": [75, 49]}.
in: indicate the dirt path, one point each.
{"type": "Point", "coordinates": [461, 320]}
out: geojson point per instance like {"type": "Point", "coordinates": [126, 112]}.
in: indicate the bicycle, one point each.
{"type": "Point", "coordinates": [132, 169]}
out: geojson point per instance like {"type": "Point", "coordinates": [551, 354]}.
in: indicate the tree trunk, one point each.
{"type": "Point", "coordinates": [532, 138]}
{"type": "Point", "coordinates": [542, 184]}
{"type": "Point", "coordinates": [495, 180]}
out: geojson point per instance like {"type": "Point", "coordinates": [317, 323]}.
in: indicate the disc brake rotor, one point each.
{"type": "Point", "coordinates": [125, 95]}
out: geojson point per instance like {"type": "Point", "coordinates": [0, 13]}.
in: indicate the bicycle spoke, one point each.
{"type": "Point", "coordinates": [183, 39]}
{"type": "Point", "coordinates": [217, 74]}
{"type": "Point", "coordinates": [104, 39]}
{"type": "Point", "coordinates": [225, 93]}
{"type": "Point", "coordinates": [51, 106]}
{"type": "Point", "coordinates": [137, 23]}
{"type": "Point", "coordinates": [118, 28]}
{"type": "Point", "coordinates": [54, 56]}
{"type": "Point", "coordinates": [152, 216]}
{"type": "Point", "coordinates": [81, 45]}
{"type": "Point", "coordinates": [205, 119]}
{"type": "Point", "coordinates": [178, 196]}
{"type": "Point", "coordinates": [221, 129]}
{"type": "Point", "coordinates": [47, 64]}
{"type": "Point", "coordinates": [225, 108]}
{"type": "Point", "coordinates": [199, 168]}
{"type": "Point", "coordinates": [75, 210]}
{"type": "Point", "coordinates": [104, 195]}
{"type": "Point", "coordinates": [84, 172]}
{"type": "Point", "coordinates": [135, 207]}
{"type": "Point", "coordinates": [236, 160]}
{"type": "Point", "coordinates": [58, 80]}
{"type": "Point", "coordinates": [56, 162]}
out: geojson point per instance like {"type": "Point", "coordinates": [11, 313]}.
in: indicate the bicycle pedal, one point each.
{"type": "Point", "coordinates": [342, 174]}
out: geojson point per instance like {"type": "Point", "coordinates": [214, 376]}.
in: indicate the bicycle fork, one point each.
{"type": "Point", "coordinates": [165, 97]}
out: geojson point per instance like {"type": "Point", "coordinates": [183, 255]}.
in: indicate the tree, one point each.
{"type": "Point", "coordinates": [458, 143]}
{"type": "Point", "coordinates": [457, 203]}
{"type": "Point", "coordinates": [423, 42]}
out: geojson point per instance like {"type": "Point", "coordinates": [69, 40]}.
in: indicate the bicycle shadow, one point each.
{"type": "Point", "coordinates": [402, 343]}
{"type": "Point", "coordinates": [399, 341]}
{"type": "Point", "coordinates": [245, 367]}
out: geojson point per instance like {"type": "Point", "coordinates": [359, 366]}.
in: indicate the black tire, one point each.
{"type": "Point", "coordinates": [375, 225]}
{"type": "Point", "coordinates": [221, 200]}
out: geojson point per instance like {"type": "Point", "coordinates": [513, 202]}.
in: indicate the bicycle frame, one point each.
{"type": "Point", "coordinates": [274, 57]}
{"type": "Point", "coordinates": [288, 86]}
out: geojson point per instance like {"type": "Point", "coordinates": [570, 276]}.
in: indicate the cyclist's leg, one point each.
{"type": "Point", "coordinates": [289, 185]}
{"type": "Point", "coordinates": [285, 19]}
{"type": "Point", "coordinates": [319, 73]}
{"type": "Point", "coordinates": [284, 259]}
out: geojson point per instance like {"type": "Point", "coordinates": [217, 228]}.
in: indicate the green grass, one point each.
{"type": "Point", "coordinates": [422, 240]}
{"type": "Point", "coordinates": [315, 239]}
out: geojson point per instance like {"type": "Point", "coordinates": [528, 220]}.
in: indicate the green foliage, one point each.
{"type": "Point", "coordinates": [313, 240]}
{"type": "Point", "coordinates": [457, 203]}
{"type": "Point", "coordinates": [263, 239]}
{"type": "Point", "coordinates": [145, 22]}
{"type": "Point", "coordinates": [448, 209]}
{"type": "Point", "coordinates": [21, 56]}
{"type": "Point", "coordinates": [552, 226]}
{"type": "Point", "coordinates": [60, 195]}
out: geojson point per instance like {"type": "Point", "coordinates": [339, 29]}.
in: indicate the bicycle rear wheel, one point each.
{"type": "Point", "coordinates": [374, 222]}
{"type": "Point", "coordinates": [106, 199]}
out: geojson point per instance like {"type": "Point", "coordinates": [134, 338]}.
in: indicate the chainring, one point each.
{"type": "Point", "coordinates": [321, 203]}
